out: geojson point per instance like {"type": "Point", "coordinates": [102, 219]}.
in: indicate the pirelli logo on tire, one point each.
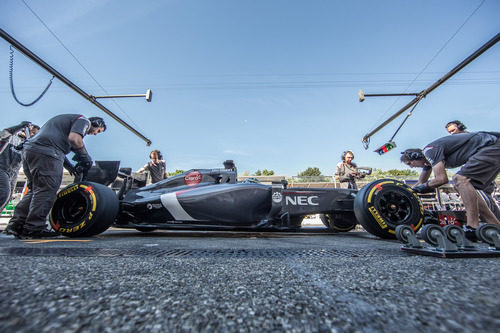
{"type": "Point", "coordinates": [73, 229]}
{"type": "Point", "coordinates": [68, 191]}
{"type": "Point", "coordinates": [377, 217]}
{"type": "Point", "coordinates": [373, 211]}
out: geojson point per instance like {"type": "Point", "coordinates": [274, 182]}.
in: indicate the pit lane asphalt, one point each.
{"type": "Point", "coordinates": [183, 281]}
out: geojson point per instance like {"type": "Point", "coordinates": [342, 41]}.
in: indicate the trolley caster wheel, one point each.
{"type": "Point", "coordinates": [430, 233]}
{"type": "Point", "coordinates": [456, 235]}
{"type": "Point", "coordinates": [435, 235]}
{"type": "Point", "coordinates": [489, 234]}
{"type": "Point", "coordinates": [406, 235]}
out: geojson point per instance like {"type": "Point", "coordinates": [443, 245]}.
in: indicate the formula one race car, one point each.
{"type": "Point", "coordinates": [212, 198]}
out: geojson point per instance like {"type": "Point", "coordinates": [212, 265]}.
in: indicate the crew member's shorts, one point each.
{"type": "Point", "coordinates": [483, 167]}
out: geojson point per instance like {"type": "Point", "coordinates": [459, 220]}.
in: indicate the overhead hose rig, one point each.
{"type": "Point", "coordinates": [92, 99]}
{"type": "Point", "coordinates": [418, 97]}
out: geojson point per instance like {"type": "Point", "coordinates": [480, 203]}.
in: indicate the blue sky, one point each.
{"type": "Point", "coordinates": [271, 84]}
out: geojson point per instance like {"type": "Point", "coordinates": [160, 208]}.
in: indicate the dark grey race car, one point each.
{"type": "Point", "coordinates": [212, 198]}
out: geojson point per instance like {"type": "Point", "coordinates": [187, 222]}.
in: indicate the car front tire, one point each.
{"type": "Point", "coordinates": [384, 204]}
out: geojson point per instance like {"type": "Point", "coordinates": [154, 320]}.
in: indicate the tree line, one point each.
{"type": "Point", "coordinates": [316, 172]}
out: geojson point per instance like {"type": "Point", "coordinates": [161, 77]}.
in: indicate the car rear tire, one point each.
{"type": "Point", "coordinates": [384, 204]}
{"type": "Point", "coordinates": [339, 222]}
{"type": "Point", "coordinates": [84, 209]}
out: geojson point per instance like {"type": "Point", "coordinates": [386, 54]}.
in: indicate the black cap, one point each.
{"type": "Point", "coordinates": [228, 164]}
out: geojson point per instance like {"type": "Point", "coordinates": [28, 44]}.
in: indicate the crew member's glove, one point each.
{"type": "Point", "coordinates": [19, 146]}
{"type": "Point", "coordinates": [70, 167]}
{"type": "Point", "coordinates": [83, 167]}
{"type": "Point", "coordinates": [423, 188]}
{"type": "Point", "coordinates": [81, 156]}
{"type": "Point", "coordinates": [18, 127]}
{"type": "Point", "coordinates": [84, 161]}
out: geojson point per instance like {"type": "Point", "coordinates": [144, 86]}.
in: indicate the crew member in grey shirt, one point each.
{"type": "Point", "coordinates": [478, 155]}
{"type": "Point", "coordinates": [157, 167]}
{"type": "Point", "coordinates": [44, 157]}
{"type": "Point", "coordinates": [456, 127]}
{"type": "Point", "coordinates": [11, 142]}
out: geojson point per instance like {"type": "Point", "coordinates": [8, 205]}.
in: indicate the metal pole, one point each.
{"type": "Point", "coordinates": [70, 84]}
{"type": "Point", "coordinates": [398, 94]}
{"type": "Point", "coordinates": [120, 96]}
{"type": "Point", "coordinates": [427, 91]}
{"type": "Point", "coordinates": [148, 95]}
{"type": "Point", "coordinates": [362, 95]}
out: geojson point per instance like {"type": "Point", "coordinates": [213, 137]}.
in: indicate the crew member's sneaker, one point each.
{"type": "Point", "coordinates": [470, 233]}
{"type": "Point", "coordinates": [13, 229]}
{"type": "Point", "coordinates": [44, 233]}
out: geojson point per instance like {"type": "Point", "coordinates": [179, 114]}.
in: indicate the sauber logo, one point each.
{"type": "Point", "coordinates": [277, 197]}
{"type": "Point", "coordinates": [302, 200]}
{"type": "Point", "coordinates": [192, 178]}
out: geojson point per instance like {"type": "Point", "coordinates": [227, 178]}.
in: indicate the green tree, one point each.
{"type": "Point", "coordinates": [377, 173]}
{"type": "Point", "coordinates": [393, 173]}
{"type": "Point", "coordinates": [396, 173]}
{"type": "Point", "coordinates": [258, 173]}
{"type": "Point", "coordinates": [311, 171]}
{"type": "Point", "coordinates": [176, 172]}
{"type": "Point", "coordinates": [266, 172]}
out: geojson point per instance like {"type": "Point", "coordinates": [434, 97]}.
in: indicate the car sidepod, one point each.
{"type": "Point", "coordinates": [234, 204]}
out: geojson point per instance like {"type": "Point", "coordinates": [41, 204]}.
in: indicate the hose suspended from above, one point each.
{"type": "Point", "coordinates": [11, 76]}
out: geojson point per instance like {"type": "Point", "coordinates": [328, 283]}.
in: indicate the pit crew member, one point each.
{"type": "Point", "coordinates": [43, 158]}
{"type": "Point", "coordinates": [478, 155]}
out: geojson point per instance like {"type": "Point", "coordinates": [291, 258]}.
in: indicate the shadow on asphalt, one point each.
{"type": "Point", "coordinates": [305, 232]}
